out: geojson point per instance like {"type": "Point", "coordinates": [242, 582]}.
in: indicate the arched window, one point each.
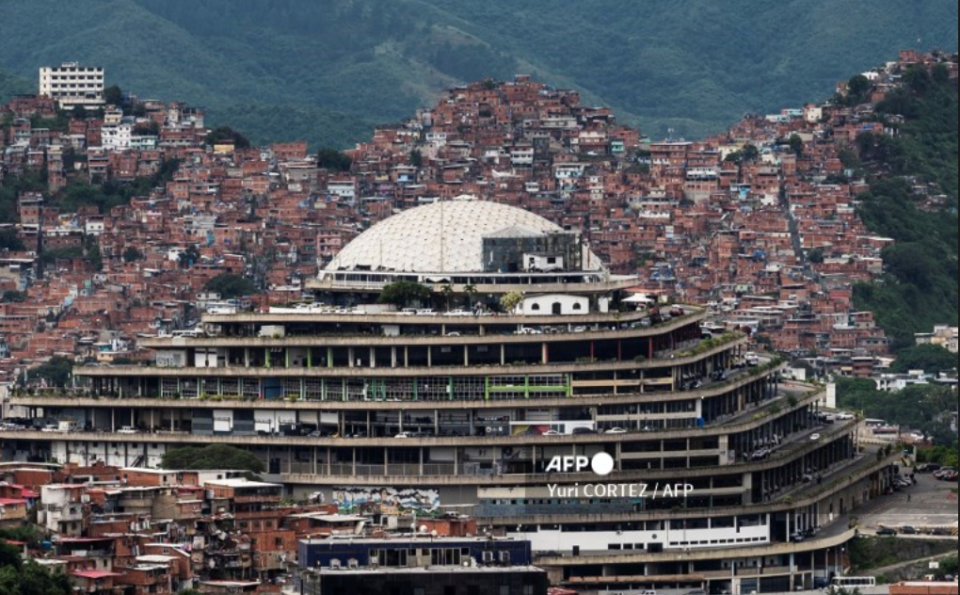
{"type": "Point", "coordinates": [578, 306]}
{"type": "Point", "coordinates": [535, 307]}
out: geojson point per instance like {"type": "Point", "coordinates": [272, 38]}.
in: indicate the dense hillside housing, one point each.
{"type": "Point", "coordinates": [490, 408]}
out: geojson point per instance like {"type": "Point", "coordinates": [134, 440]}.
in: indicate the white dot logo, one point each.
{"type": "Point", "coordinates": [602, 464]}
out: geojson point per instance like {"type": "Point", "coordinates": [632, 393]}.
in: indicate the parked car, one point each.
{"type": "Point", "coordinates": [846, 416]}
{"type": "Point", "coordinates": [128, 430]}
{"type": "Point", "coordinates": [944, 472]}
{"type": "Point", "coordinates": [886, 532]}
{"type": "Point", "coordinates": [582, 431]}
{"type": "Point", "coordinates": [815, 437]}
{"type": "Point", "coordinates": [616, 431]}
{"type": "Point", "coordinates": [551, 433]}
{"type": "Point", "coordinates": [909, 531]}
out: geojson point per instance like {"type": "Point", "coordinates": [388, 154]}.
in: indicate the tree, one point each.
{"type": "Point", "coordinates": [56, 371]}
{"type": "Point", "coordinates": [79, 112]}
{"type": "Point", "coordinates": [446, 293]}
{"type": "Point", "coordinates": [403, 294]}
{"type": "Point", "coordinates": [333, 160]}
{"type": "Point", "coordinates": [189, 257]}
{"type": "Point", "coordinates": [857, 88]}
{"type": "Point", "coordinates": [510, 301]}
{"type": "Point", "coordinates": [230, 286]}
{"type": "Point", "coordinates": [10, 557]}
{"type": "Point", "coordinates": [12, 296]}
{"type": "Point", "coordinates": [470, 290]}
{"type": "Point", "coordinates": [150, 128]}
{"type": "Point", "coordinates": [815, 256]}
{"type": "Point", "coordinates": [37, 580]}
{"type": "Point", "coordinates": [917, 79]}
{"type": "Point", "coordinates": [225, 134]}
{"type": "Point", "coordinates": [796, 145]}
{"type": "Point", "coordinates": [214, 456]}
{"type": "Point", "coordinates": [113, 95]}
{"type": "Point", "coordinates": [932, 359]}
{"type": "Point", "coordinates": [131, 254]}
{"type": "Point", "coordinates": [750, 153]}
{"type": "Point", "coordinates": [29, 534]}
{"type": "Point", "coordinates": [9, 240]}
{"type": "Point", "coordinates": [416, 158]}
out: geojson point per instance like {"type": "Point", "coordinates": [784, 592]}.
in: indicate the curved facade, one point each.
{"type": "Point", "coordinates": [718, 467]}
{"type": "Point", "coordinates": [444, 237]}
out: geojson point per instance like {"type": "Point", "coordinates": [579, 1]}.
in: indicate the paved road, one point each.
{"type": "Point", "coordinates": [930, 503]}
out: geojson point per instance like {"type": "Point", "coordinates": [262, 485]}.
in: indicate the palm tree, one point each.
{"type": "Point", "coordinates": [446, 293]}
{"type": "Point", "coordinates": [470, 290]}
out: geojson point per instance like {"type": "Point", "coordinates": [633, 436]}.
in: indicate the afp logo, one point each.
{"type": "Point", "coordinates": [601, 464]}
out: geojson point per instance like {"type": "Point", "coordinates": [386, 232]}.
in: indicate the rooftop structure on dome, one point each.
{"type": "Point", "coordinates": [456, 237]}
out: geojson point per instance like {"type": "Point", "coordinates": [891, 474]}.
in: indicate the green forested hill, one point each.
{"type": "Point", "coordinates": [11, 85]}
{"type": "Point", "coordinates": [920, 288]}
{"type": "Point", "coordinates": [342, 65]}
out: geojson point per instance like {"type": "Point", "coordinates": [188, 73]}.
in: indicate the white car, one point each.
{"type": "Point", "coordinates": [458, 312]}
{"type": "Point", "coordinates": [403, 435]}
{"type": "Point", "coordinates": [128, 430]}
{"type": "Point", "coordinates": [616, 431]}
{"type": "Point", "coordinates": [815, 437]}
{"type": "Point", "coordinates": [846, 416]}
{"type": "Point", "coordinates": [551, 433]}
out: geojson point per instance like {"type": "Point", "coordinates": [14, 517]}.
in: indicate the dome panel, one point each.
{"type": "Point", "coordinates": [443, 237]}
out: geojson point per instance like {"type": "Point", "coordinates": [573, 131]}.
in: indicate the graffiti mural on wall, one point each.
{"type": "Point", "coordinates": [388, 499]}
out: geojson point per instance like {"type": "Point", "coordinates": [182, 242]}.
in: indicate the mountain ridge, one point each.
{"type": "Point", "coordinates": [692, 66]}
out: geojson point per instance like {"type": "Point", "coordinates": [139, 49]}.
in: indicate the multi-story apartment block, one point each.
{"type": "Point", "coordinates": [737, 484]}
{"type": "Point", "coordinates": [71, 85]}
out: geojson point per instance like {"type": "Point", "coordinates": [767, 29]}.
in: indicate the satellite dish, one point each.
{"type": "Point", "coordinates": [423, 529]}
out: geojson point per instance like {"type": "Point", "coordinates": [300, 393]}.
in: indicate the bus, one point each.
{"type": "Point", "coordinates": [854, 582]}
